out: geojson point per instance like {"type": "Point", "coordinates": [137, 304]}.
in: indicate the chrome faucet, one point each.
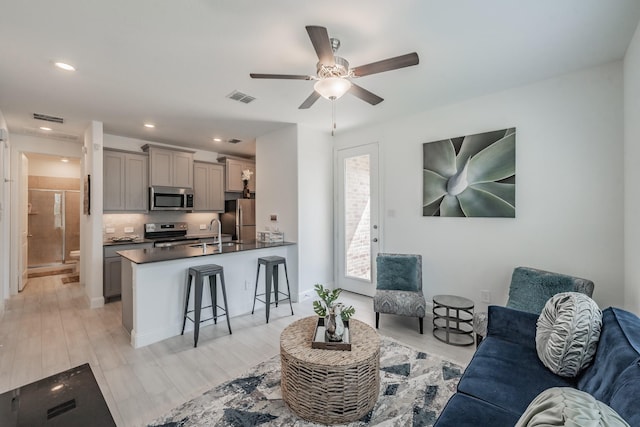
{"type": "Point", "coordinates": [219, 232]}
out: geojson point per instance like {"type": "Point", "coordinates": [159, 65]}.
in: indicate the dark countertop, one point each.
{"type": "Point", "coordinates": [145, 256]}
{"type": "Point", "coordinates": [142, 240]}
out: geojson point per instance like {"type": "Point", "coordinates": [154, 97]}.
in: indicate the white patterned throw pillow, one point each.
{"type": "Point", "coordinates": [567, 333]}
{"type": "Point", "coordinates": [569, 407]}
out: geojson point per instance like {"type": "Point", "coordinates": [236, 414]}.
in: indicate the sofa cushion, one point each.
{"type": "Point", "coordinates": [401, 272]}
{"type": "Point", "coordinates": [467, 411]}
{"type": "Point", "coordinates": [530, 288]}
{"type": "Point", "coordinates": [403, 303]}
{"type": "Point", "coordinates": [566, 406]}
{"type": "Point", "coordinates": [618, 348]}
{"type": "Point", "coordinates": [508, 375]}
{"type": "Point", "coordinates": [567, 333]}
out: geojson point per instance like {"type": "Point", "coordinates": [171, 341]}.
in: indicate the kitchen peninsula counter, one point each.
{"type": "Point", "coordinates": [144, 256]}
{"type": "Point", "coordinates": [154, 283]}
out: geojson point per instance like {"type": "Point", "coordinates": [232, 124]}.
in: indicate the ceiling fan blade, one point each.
{"type": "Point", "coordinates": [320, 40]}
{"type": "Point", "coordinates": [387, 65]}
{"type": "Point", "coordinates": [309, 101]}
{"type": "Point", "coordinates": [280, 76]}
{"type": "Point", "coordinates": [364, 94]}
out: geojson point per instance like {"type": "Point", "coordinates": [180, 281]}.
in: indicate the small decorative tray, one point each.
{"type": "Point", "coordinates": [318, 340]}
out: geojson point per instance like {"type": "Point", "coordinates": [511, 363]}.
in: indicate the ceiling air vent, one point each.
{"type": "Point", "coordinates": [241, 97]}
{"type": "Point", "coordinates": [234, 141]}
{"type": "Point", "coordinates": [47, 118]}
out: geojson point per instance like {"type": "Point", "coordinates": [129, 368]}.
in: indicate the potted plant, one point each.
{"type": "Point", "coordinates": [334, 313]}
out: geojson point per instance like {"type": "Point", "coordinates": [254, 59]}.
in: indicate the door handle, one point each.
{"type": "Point", "coordinates": [375, 239]}
{"type": "Point", "coordinates": [29, 235]}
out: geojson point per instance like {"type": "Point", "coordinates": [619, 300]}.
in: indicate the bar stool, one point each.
{"type": "Point", "coordinates": [199, 273]}
{"type": "Point", "coordinates": [271, 264]}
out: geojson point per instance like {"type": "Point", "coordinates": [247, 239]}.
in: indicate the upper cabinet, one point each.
{"type": "Point", "coordinates": [233, 175]}
{"type": "Point", "coordinates": [125, 181]}
{"type": "Point", "coordinates": [208, 187]}
{"type": "Point", "coordinates": [170, 168]}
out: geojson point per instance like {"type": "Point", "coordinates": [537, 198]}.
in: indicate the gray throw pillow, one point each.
{"type": "Point", "coordinates": [567, 333]}
{"type": "Point", "coordinates": [566, 406]}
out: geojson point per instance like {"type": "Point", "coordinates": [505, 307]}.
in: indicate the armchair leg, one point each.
{"type": "Point", "coordinates": [420, 320]}
{"type": "Point", "coordinates": [478, 339]}
{"type": "Point", "coordinates": [377, 319]}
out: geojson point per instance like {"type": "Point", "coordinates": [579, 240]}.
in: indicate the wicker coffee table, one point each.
{"type": "Point", "coordinates": [329, 386]}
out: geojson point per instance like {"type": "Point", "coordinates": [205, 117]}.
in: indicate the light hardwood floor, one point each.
{"type": "Point", "coordinates": [49, 328]}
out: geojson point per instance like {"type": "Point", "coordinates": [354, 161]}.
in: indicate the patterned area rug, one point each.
{"type": "Point", "coordinates": [414, 388]}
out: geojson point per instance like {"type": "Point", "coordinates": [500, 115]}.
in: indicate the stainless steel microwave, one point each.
{"type": "Point", "coordinates": [170, 199]}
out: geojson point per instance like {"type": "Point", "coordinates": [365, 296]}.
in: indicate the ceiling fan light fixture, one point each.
{"type": "Point", "coordinates": [332, 87]}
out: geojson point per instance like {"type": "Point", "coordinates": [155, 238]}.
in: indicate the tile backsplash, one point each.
{"type": "Point", "coordinates": [135, 222]}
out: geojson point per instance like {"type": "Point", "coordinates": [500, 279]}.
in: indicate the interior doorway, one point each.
{"type": "Point", "coordinates": [53, 214]}
{"type": "Point", "coordinates": [358, 226]}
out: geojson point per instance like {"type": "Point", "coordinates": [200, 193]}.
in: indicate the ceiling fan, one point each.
{"type": "Point", "coordinates": [333, 73]}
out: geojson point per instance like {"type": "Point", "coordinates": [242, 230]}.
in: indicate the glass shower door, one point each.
{"type": "Point", "coordinates": [46, 227]}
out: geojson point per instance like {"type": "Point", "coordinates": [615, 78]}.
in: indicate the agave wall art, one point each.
{"type": "Point", "coordinates": [470, 176]}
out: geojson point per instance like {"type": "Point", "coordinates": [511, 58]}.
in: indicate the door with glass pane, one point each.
{"type": "Point", "coordinates": [357, 213]}
{"type": "Point", "coordinates": [46, 227]}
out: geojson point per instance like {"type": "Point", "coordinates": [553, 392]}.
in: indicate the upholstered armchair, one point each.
{"type": "Point", "coordinates": [529, 291]}
{"type": "Point", "coordinates": [399, 286]}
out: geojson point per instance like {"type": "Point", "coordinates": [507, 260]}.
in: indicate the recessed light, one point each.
{"type": "Point", "coordinates": [64, 66]}
{"type": "Point", "coordinates": [45, 128]}
{"type": "Point", "coordinates": [149, 125]}
{"type": "Point", "coordinates": [217, 139]}
{"type": "Point", "coordinates": [63, 160]}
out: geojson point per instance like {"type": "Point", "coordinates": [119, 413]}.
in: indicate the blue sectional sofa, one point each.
{"type": "Point", "coordinates": [505, 374]}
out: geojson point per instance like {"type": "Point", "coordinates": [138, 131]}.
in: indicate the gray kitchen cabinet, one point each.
{"type": "Point", "coordinates": [112, 277]}
{"type": "Point", "coordinates": [125, 181]}
{"type": "Point", "coordinates": [170, 168]}
{"type": "Point", "coordinates": [208, 187]}
{"type": "Point", "coordinates": [233, 173]}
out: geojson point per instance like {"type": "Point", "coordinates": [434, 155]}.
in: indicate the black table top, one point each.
{"type": "Point", "coordinates": [69, 398]}
{"type": "Point", "coordinates": [145, 256]}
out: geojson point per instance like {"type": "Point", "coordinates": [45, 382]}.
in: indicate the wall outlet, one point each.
{"type": "Point", "coordinates": [128, 229]}
{"type": "Point", "coordinates": [274, 217]}
{"type": "Point", "coordinates": [110, 230]}
{"type": "Point", "coordinates": [203, 226]}
{"type": "Point", "coordinates": [486, 296]}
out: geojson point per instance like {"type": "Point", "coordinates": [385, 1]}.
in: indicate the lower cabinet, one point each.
{"type": "Point", "coordinates": [112, 282]}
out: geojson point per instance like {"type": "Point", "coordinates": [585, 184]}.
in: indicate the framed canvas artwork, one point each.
{"type": "Point", "coordinates": [470, 176]}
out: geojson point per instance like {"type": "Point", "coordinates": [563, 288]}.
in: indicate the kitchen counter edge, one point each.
{"type": "Point", "coordinates": [146, 256]}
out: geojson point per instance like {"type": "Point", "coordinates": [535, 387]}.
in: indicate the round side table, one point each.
{"type": "Point", "coordinates": [453, 319]}
{"type": "Point", "coordinates": [329, 386]}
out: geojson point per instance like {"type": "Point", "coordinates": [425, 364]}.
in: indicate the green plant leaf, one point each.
{"type": "Point", "coordinates": [440, 157]}
{"type": "Point", "coordinates": [506, 192]}
{"type": "Point", "coordinates": [434, 186]}
{"type": "Point", "coordinates": [494, 163]}
{"type": "Point", "coordinates": [432, 209]}
{"type": "Point", "coordinates": [473, 144]}
{"type": "Point", "coordinates": [450, 207]}
{"type": "Point", "coordinates": [479, 203]}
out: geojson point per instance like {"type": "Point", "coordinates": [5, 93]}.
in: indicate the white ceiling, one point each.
{"type": "Point", "coordinates": [173, 62]}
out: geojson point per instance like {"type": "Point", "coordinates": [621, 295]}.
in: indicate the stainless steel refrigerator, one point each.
{"type": "Point", "coordinates": [239, 219]}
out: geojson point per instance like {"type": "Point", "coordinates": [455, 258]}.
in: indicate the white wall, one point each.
{"type": "Point", "coordinates": [133, 144]}
{"type": "Point", "coordinates": [41, 166]}
{"type": "Point", "coordinates": [91, 225]}
{"type": "Point", "coordinates": [632, 173]}
{"type": "Point", "coordinates": [569, 197]}
{"type": "Point", "coordinates": [4, 215]}
{"type": "Point", "coordinates": [277, 189]}
{"type": "Point", "coordinates": [315, 209]}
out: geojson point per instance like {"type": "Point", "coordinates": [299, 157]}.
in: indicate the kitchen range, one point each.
{"type": "Point", "coordinates": [170, 234]}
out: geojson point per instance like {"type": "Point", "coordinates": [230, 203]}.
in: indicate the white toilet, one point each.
{"type": "Point", "coordinates": [75, 256]}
